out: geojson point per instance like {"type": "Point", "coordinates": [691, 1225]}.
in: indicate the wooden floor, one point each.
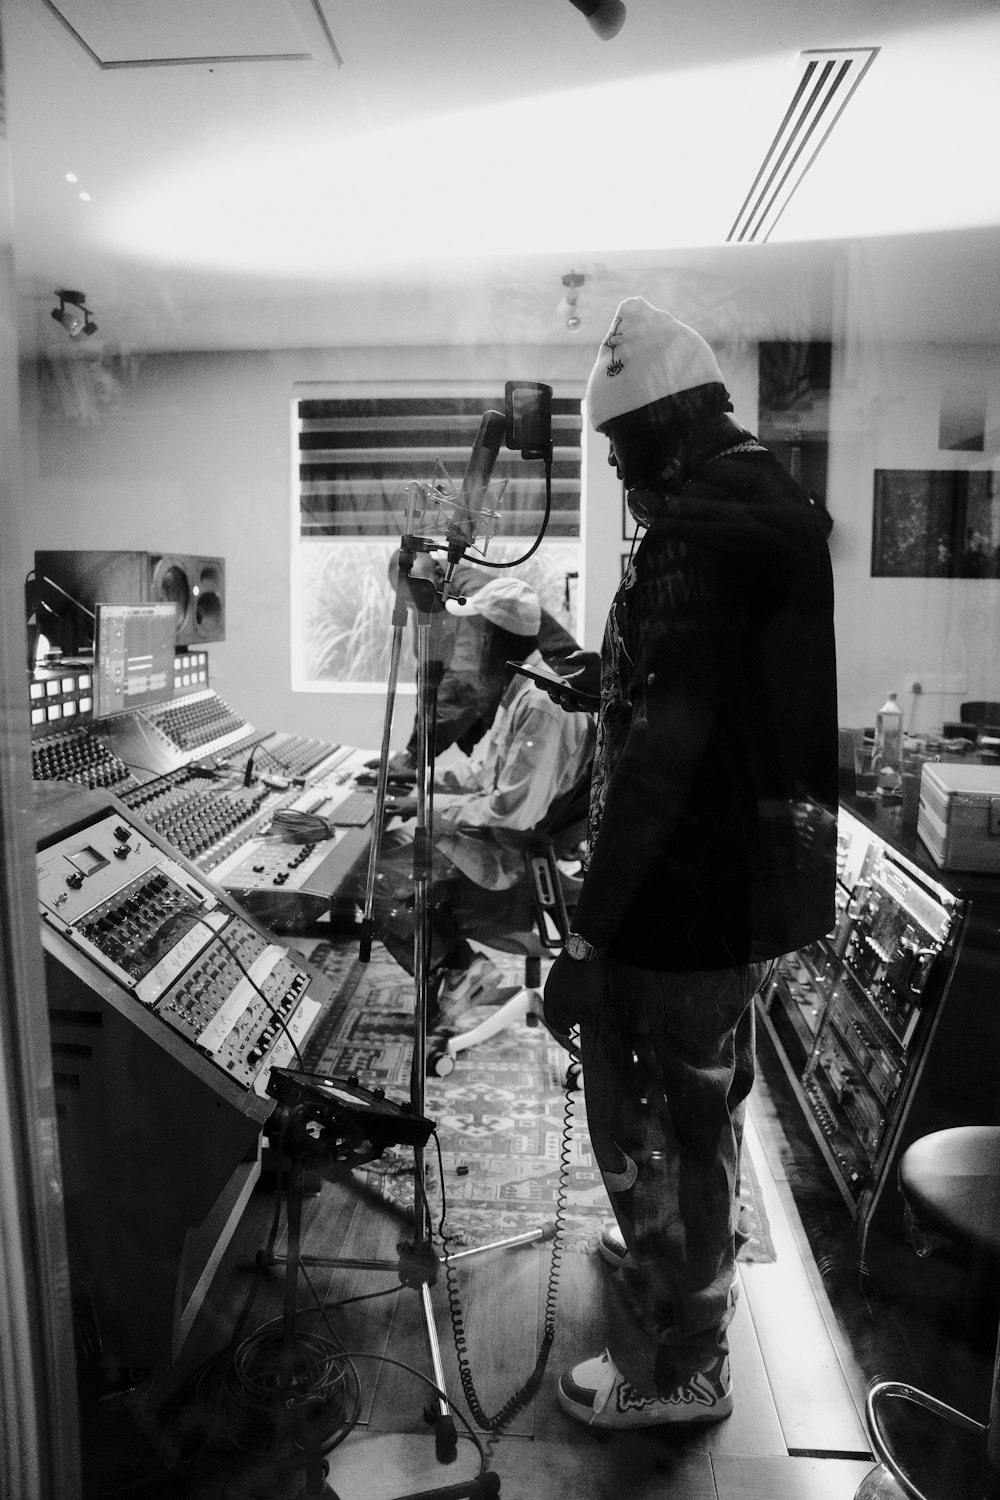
{"type": "Point", "coordinates": [796, 1430]}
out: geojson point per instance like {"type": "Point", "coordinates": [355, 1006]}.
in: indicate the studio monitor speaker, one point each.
{"type": "Point", "coordinates": [69, 584]}
{"type": "Point", "coordinates": [196, 587]}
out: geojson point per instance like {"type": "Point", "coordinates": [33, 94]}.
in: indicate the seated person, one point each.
{"type": "Point", "coordinates": [469, 660]}
{"type": "Point", "coordinates": [532, 759]}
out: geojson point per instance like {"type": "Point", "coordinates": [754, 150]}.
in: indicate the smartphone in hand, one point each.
{"type": "Point", "coordinates": [559, 688]}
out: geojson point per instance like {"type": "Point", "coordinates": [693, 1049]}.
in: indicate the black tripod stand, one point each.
{"type": "Point", "coordinates": [305, 1383]}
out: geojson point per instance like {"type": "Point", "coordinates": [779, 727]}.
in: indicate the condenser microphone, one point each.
{"type": "Point", "coordinates": [606, 17]}
{"type": "Point", "coordinates": [470, 509]}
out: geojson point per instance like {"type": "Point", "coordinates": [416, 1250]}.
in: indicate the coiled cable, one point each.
{"type": "Point", "coordinates": [520, 1399]}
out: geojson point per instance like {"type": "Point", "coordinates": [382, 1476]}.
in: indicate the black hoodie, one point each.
{"type": "Point", "coordinates": [714, 802]}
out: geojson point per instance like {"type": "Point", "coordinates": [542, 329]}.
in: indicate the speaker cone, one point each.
{"type": "Point", "coordinates": [208, 613]}
{"type": "Point", "coordinates": [173, 588]}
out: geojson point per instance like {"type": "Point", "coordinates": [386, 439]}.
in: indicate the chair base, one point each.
{"type": "Point", "coordinates": [897, 1486]}
{"type": "Point", "coordinates": [880, 1484]}
{"type": "Point", "coordinates": [525, 1005]}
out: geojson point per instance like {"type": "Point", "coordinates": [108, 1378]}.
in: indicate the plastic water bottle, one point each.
{"type": "Point", "coordinates": [889, 745]}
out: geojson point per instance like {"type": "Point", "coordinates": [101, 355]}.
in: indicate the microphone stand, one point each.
{"type": "Point", "coordinates": [418, 1262]}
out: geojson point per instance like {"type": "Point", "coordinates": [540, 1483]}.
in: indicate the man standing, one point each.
{"type": "Point", "coordinates": [712, 849]}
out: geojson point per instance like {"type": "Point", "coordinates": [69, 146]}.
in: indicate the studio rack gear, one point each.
{"type": "Point", "coordinates": [874, 1023]}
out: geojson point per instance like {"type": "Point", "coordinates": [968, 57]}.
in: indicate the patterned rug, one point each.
{"type": "Point", "coordinates": [500, 1116]}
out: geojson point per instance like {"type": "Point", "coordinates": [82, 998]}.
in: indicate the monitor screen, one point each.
{"type": "Point", "coordinates": [133, 657]}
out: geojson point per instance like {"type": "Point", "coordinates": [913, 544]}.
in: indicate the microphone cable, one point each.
{"type": "Point", "coordinates": [529, 1389]}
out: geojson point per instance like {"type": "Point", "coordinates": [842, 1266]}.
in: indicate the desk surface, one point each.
{"type": "Point", "coordinates": [886, 819]}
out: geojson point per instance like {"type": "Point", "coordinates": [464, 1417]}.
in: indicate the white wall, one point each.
{"type": "Point", "coordinates": [885, 415]}
{"type": "Point", "coordinates": [192, 453]}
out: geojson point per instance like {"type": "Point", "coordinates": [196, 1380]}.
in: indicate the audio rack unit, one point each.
{"type": "Point", "coordinates": [884, 1027]}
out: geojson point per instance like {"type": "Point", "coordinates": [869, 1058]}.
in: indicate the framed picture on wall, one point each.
{"type": "Point", "coordinates": [936, 523]}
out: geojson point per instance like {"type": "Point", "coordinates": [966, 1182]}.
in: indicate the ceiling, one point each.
{"type": "Point", "coordinates": [311, 173]}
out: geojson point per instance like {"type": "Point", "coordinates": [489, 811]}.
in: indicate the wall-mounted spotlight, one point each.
{"type": "Point", "coordinates": [606, 17]}
{"type": "Point", "coordinates": [73, 314]}
{"type": "Point", "coordinates": [567, 309]}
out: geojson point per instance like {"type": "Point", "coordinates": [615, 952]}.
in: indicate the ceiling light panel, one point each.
{"type": "Point", "coordinates": [149, 34]}
{"type": "Point", "coordinates": [826, 81]}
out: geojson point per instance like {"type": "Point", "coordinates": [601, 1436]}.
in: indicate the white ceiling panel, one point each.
{"type": "Point", "coordinates": [468, 153]}
{"type": "Point", "coordinates": [149, 33]}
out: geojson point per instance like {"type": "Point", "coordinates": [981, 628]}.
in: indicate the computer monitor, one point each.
{"type": "Point", "coordinates": [133, 657]}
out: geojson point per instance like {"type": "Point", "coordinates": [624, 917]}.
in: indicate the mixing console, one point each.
{"type": "Point", "coordinates": [202, 817]}
{"type": "Point", "coordinates": [210, 815]}
{"type": "Point", "coordinates": [78, 755]}
{"type": "Point", "coordinates": [287, 881]}
{"type": "Point", "coordinates": [289, 886]}
{"type": "Point", "coordinates": [211, 786]}
{"type": "Point", "coordinates": [299, 756]}
{"type": "Point", "coordinates": [163, 935]}
{"type": "Point", "coordinates": [201, 723]}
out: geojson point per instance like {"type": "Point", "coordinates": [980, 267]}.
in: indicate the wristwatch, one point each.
{"type": "Point", "coordinates": [577, 947]}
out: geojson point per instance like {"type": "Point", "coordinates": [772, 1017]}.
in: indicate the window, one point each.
{"type": "Point", "coordinates": [358, 449]}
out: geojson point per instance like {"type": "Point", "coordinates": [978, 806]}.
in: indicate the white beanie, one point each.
{"type": "Point", "coordinates": [506, 602]}
{"type": "Point", "coordinates": [646, 355]}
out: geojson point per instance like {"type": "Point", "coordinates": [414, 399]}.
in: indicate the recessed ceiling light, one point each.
{"type": "Point", "coordinates": [71, 177]}
{"type": "Point", "coordinates": [85, 197]}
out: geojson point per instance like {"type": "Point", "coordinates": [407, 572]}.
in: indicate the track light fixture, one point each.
{"type": "Point", "coordinates": [572, 281]}
{"type": "Point", "coordinates": [73, 314]}
{"type": "Point", "coordinates": [606, 17]}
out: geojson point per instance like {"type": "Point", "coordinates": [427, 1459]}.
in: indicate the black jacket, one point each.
{"type": "Point", "coordinates": [714, 801]}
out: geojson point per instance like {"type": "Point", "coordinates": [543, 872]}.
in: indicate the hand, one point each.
{"type": "Point", "coordinates": [571, 700]}
{"type": "Point", "coordinates": [574, 992]}
{"type": "Point", "coordinates": [403, 807]}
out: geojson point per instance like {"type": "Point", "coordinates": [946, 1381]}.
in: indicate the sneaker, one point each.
{"type": "Point", "coordinates": [611, 1247]}
{"type": "Point", "coordinates": [597, 1393]}
{"type": "Point", "coordinates": [464, 989]}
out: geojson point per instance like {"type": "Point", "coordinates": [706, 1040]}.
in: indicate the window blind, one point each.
{"type": "Point", "coordinates": [357, 454]}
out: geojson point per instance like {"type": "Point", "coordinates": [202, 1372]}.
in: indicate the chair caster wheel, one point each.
{"type": "Point", "coordinates": [441, 1064]}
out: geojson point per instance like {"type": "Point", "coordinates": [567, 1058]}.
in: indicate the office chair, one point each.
{"type": "Point", "coordinates": [541, 849]}
{"type": "Point", "coordinates": [951, 1182]}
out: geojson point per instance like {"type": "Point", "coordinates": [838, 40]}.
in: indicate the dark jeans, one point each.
{"type": "Point", "coordinates": [667, 1068]}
